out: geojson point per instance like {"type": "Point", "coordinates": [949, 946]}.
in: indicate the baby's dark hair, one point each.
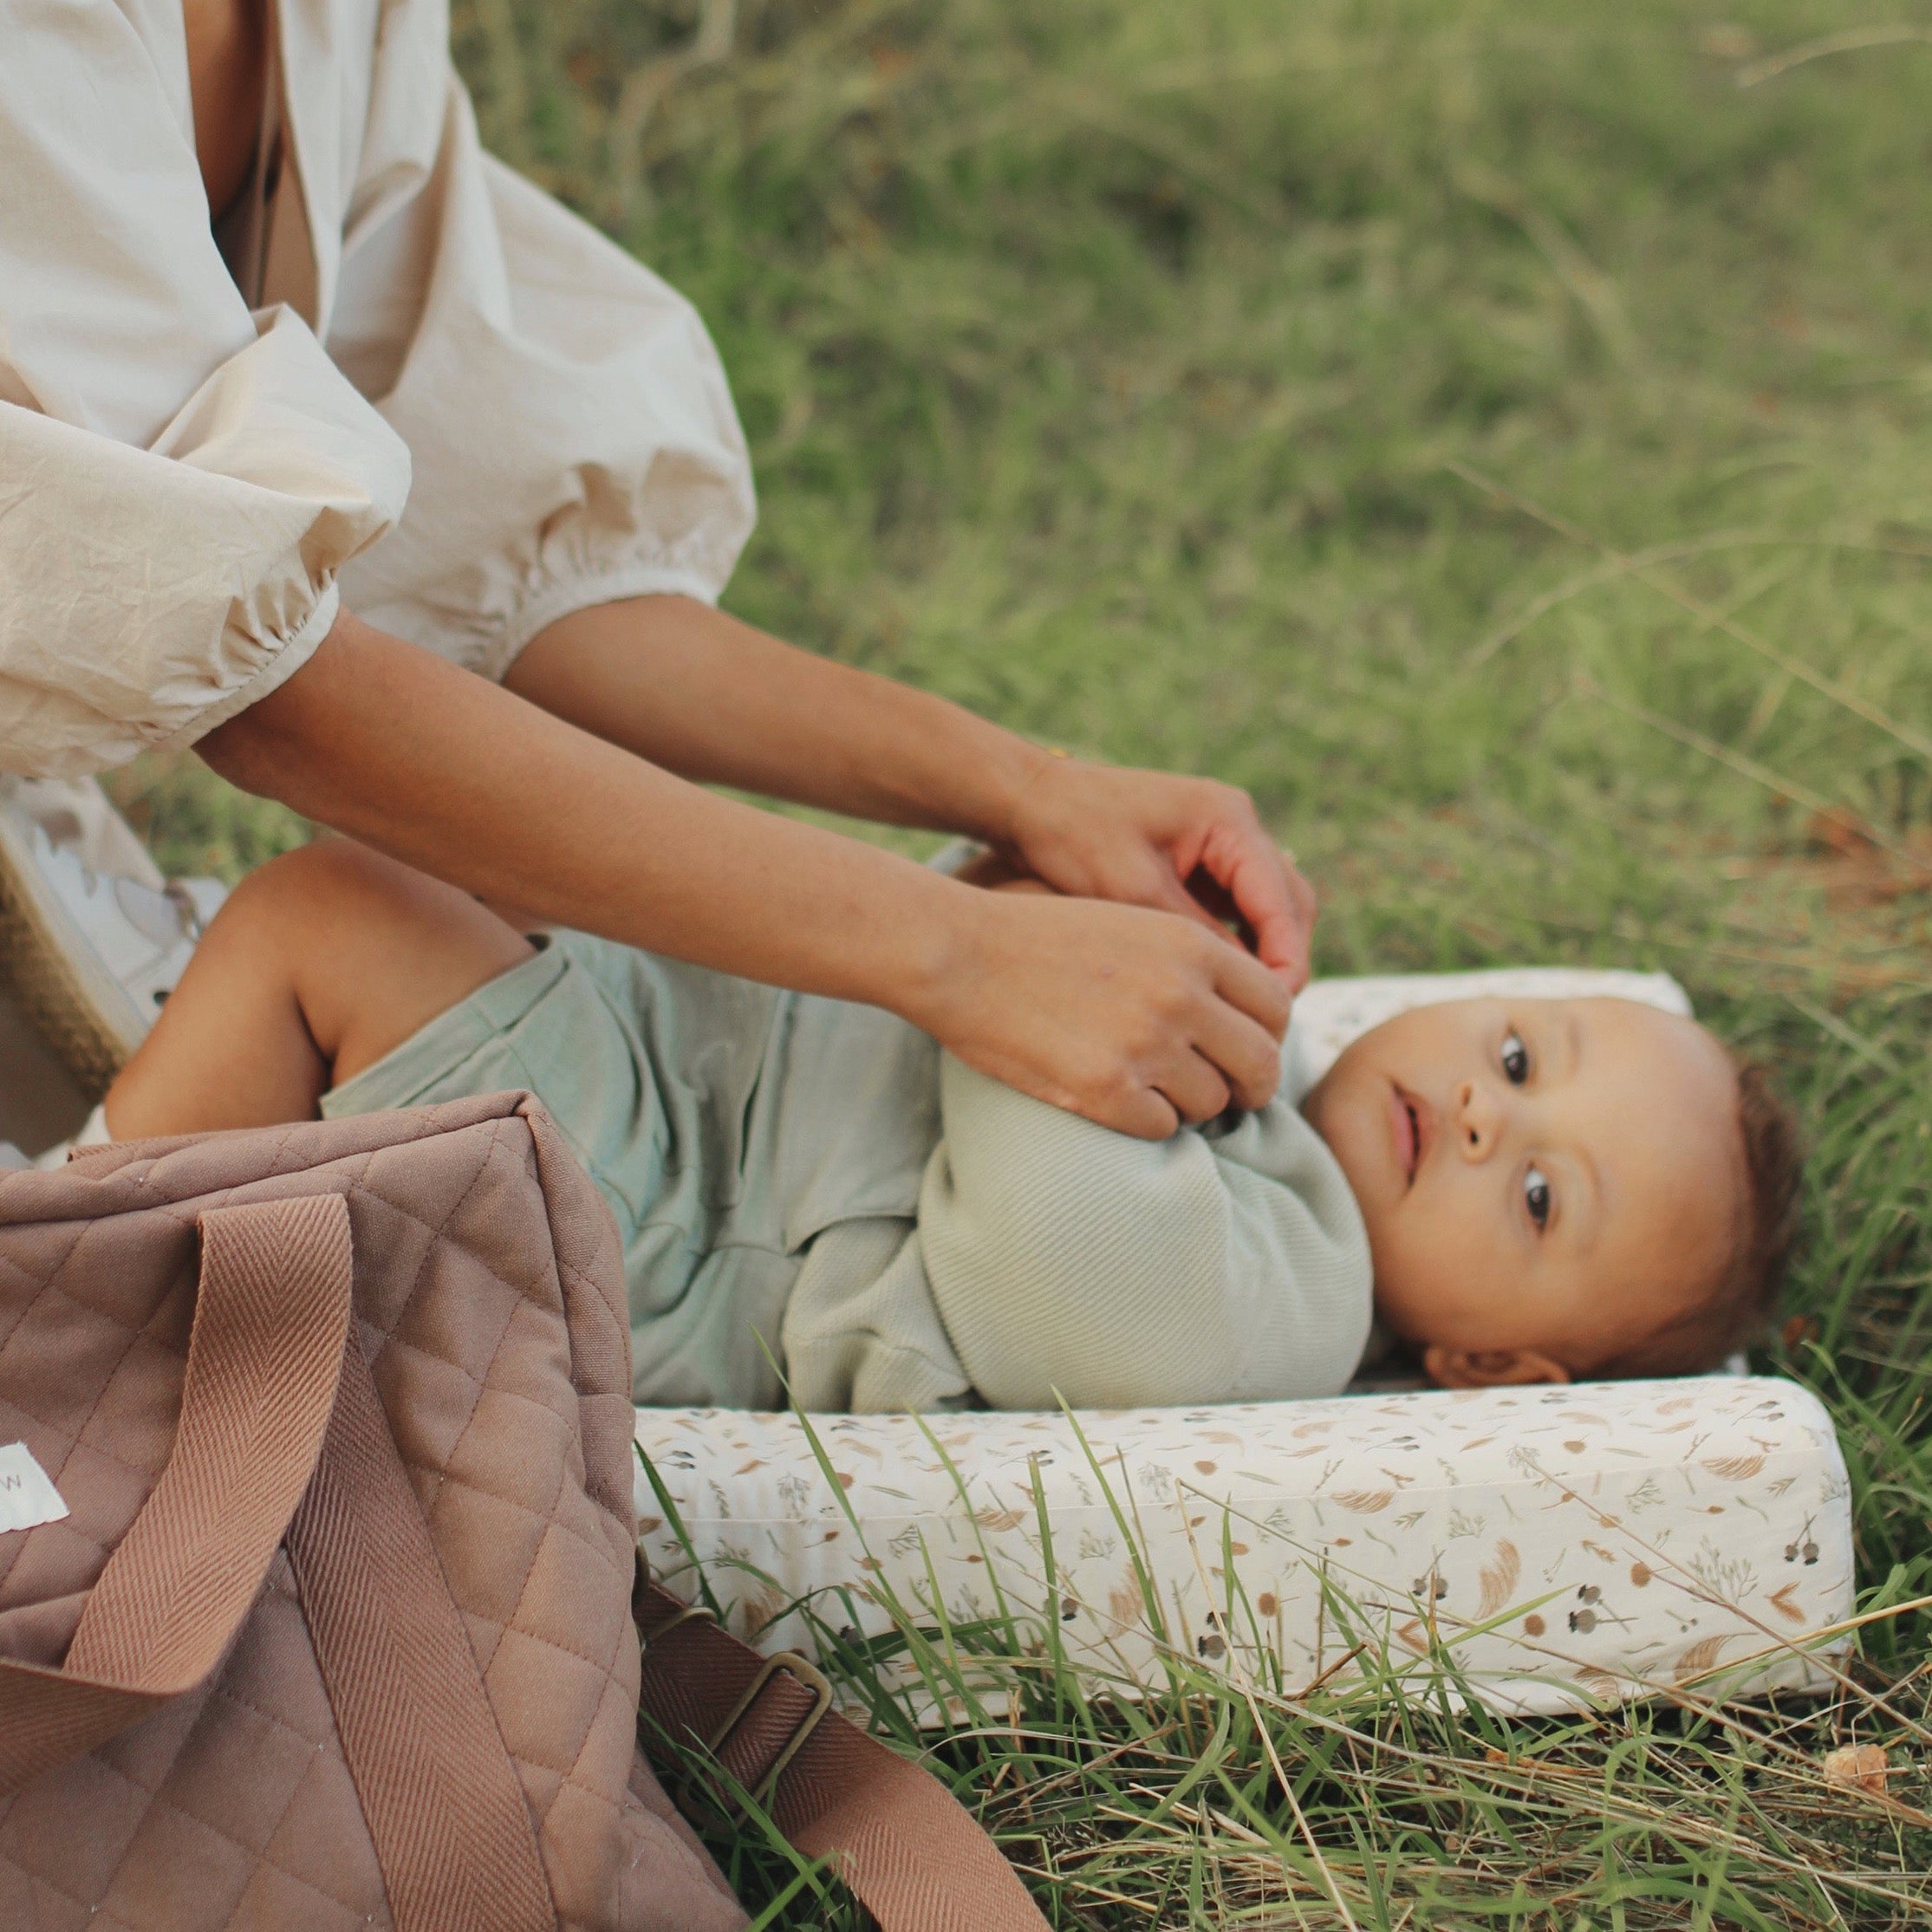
{"type": "Point", "coordinates": [1741, 1304]}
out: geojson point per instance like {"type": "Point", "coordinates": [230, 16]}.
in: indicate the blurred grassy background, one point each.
{"type": "Point", "coordinates": [1494, 433]}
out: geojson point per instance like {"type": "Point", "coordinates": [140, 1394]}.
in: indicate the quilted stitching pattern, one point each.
{"type": "Point", "coordinates": [489, 1302]}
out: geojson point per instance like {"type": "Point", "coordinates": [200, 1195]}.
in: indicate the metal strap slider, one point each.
{"type": "Point", "coordinates": [812, 1678]}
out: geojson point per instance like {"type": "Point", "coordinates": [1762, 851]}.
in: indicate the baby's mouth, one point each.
{"type": "Point", "coordinates": [1408, 1118]}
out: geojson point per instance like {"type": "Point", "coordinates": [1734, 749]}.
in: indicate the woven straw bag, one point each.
{"type": "Point", "coordinates": [338, 1629]}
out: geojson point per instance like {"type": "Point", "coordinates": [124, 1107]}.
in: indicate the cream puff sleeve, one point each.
{"type": "Point", "coordinates": [573, 434]}
{"type": "Point", "coordinates": [181, 481]}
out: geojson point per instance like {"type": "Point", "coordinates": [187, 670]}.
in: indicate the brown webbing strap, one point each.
{"type": "Point", "coordinates": [908, 1848]}
{"type": "Point", "coordinates": [264, 1355]}
{"type": "Point", "coordinates": [452, 1827]}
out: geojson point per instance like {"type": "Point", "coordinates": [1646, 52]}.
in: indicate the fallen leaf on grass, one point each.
{"type": "Point", "coordinates": [1858, 1767]}
{"type": "Point", "coordinates": [1858, 871]}
{"type": "Point", "coordinates": [1528, 1761]}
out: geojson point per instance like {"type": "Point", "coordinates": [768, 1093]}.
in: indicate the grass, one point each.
{"type": "Point", "coordinates": [1228, 1795]}
{"type": "Point", "coordinates": [1494, 435]}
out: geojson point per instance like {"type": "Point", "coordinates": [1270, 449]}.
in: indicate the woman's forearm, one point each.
{"type": "Point", "coordinates": [1102, 1002]}
{"type": "Point", "coordinates": [702, 694]}
{"type": "Point", "coordinates": [467, 781]}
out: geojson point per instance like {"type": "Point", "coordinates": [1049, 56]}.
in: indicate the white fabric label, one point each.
{"type": "Point", "coordinates": [27, 1492]}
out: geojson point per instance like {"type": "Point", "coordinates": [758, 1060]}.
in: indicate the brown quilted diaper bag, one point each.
{"type": "Point", "coordinates": [337, 1630]}
{"type": "Point", "coordinates": [316, 1564]}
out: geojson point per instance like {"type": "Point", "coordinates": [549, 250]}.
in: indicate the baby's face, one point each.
{"type": "Point", "coordinates": [1546, 1182]}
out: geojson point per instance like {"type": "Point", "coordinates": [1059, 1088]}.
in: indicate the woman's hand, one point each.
{"type": "Point", "coordinates": [1188, 846]}
{"type": "Point", "coordinates": [696, 692]}
{"type": "Point", "coordinates": [1139, 1022]}
{"type": "Point", "coordinates": [1139, 1019]}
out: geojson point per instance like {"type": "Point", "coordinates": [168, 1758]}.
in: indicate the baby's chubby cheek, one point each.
{"type": "Point", "coordinates": [1439, 1280]}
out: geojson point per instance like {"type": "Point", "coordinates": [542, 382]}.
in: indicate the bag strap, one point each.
{"type": "Point", "coordinates": [443, 1802]}
{"type": "Point", "coordinates": [265, 1356]}
{"type": "Point", "coordinates": [913, 1855]}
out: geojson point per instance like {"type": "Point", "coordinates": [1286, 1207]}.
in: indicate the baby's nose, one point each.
{"type": "Point", "coordinates": [1477, 1121]}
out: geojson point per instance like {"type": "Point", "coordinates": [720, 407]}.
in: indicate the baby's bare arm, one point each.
{"type": "Point", "coordinates": [319, 964]}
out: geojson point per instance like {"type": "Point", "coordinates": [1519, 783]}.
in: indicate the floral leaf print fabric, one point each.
{"type": "Point", "coordinates": [1567, 1545]}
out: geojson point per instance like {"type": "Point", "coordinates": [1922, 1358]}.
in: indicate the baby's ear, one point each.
{"type": "Point", "coordinates": [1489, 1368]}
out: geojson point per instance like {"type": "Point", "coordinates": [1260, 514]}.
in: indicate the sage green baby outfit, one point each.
{"type": "Point", "coordinates": [802, 1181]}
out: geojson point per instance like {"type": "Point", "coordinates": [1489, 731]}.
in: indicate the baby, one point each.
{"type": "Point", "coordinates": [813, 1198]}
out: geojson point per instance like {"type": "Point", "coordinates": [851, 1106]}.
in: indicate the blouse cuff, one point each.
{"type": "Point", "coordinates": [295, 652]}
{"type": "Point", "coordinates": [571, 595]}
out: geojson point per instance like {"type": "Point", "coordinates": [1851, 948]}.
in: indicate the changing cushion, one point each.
{"type": "Point", "coordinates": [1569, 1546]}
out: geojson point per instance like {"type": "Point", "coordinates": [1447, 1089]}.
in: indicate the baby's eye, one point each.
{"type": "Point", "coordinates": [1516, 1058]}
{"type": "Point", "coordinates": [1536, 1193]}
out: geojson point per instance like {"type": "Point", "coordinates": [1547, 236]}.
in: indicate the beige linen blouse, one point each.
{"type": "Point", "coordinates": [443, 398]}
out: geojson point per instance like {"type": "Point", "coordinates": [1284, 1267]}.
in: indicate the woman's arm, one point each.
{"type": "Point", "coordinates": [1135, 1018]}
{"type": "Point", "coordinates": [702, 694]}
{"type": "Point", "coordinates": [698, 692]}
